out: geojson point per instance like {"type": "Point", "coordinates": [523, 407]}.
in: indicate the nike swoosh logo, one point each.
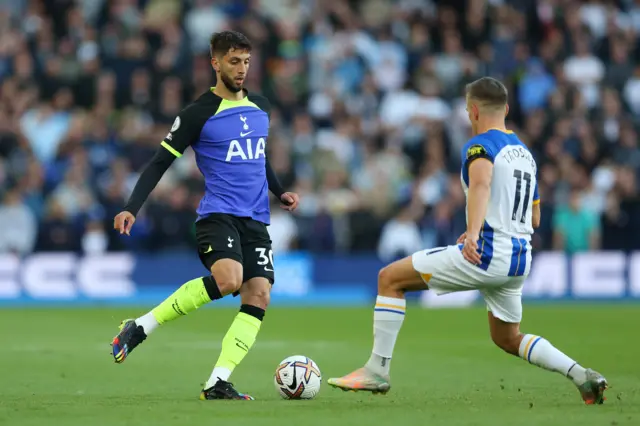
{"type": "Point", "coordinates": [209, 250]}
{"type": "Point", "coordinates": [176, 308]}
{"type": "Point", "coordinates": [242, 135]}
{"type": "Point", "coordinates": [294, 383]}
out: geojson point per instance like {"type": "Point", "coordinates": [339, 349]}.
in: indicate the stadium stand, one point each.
{"type": "Point", "coordinates": [368, 122]}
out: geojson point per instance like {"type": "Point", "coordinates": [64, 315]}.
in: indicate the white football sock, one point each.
{"type": "Point", "coordinates": [388, 316]}
{"type": "Point", "coordinates": [540, 352]}
{"type": "Point", "coordinates": [148, 323]}
{"type": "Point", "coordinates": [218, 373]}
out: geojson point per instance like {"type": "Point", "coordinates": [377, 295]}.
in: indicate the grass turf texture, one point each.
{"type": "Point", "coordinates": [57, 369]}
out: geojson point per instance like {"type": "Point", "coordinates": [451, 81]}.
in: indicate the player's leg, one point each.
{"type": "Point", "coordinates": [388, 315]}
{"type": "Point", "coordinates": [258, 273]}
{"type": "Point", "coordinates": [255, 297]}
{"type": "Point", "coordinates": [504, 324]}
{"type": "Point", "coordinates": [393, 282]}
{"type": "Point", "coordinates": [225, 266]}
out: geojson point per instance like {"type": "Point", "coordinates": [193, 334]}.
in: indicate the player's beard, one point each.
{"type": "Point", "coordinates": [230, 84]}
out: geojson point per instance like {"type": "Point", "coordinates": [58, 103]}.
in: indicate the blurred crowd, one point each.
{"type": "Point", "coordinates": [368, 121]}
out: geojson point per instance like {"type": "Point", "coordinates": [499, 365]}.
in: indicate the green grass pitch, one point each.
{"type": "Point", "coordinates": [57, 369]}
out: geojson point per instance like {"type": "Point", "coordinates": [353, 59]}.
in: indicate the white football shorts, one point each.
{"type": "Point", "coordinates": [445, 270]}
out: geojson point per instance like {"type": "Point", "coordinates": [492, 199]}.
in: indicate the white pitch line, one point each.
{"type": "Point", "coordinates": [175, 345]}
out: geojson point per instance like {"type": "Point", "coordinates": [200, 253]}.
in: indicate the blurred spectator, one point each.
{"type": "Point", "coordinates": [94, 240]}
{"type": "Point", "coordinates": [368, 115]}
{"type": "Point", "coordinates": [401, 235]}
{"type": "Point", "coordinates": [575, 228]}
{"type": "Point", "coordinates": [57, 231]}
{"type": "Point", "coordinates": [18, 225]}
{"type": "Point", "coordinates": [631, 91]}
{"type": "Point", "coordinates": [621, 218]}
{"type": "Point", "coordinates": [283, 230]}
{"type": "Point", "coordinates": [535, 86]}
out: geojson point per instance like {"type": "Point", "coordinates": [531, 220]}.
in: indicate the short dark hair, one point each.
{"type": "Point", "coordinates": [488, 91]}
{"type": "Point", "coordinates": [224, 41]}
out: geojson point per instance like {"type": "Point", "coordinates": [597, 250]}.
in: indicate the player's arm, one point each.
{"type": "Point", "coordinates": [480, 173]}
{"type": "Point", "coordinates": [274, 183]}
{"type": "Point", "coordinates": [272, 179]}
{"type": "Point", "coordinates": [535, 217]}
{"type": "Point", "coordinates": [289, 199]}
{"type": "Point", "coordinates": [536, 214]}
{"type": "Point", "coordinates": [182, 134]}
{"type": "Point", "coordinates": [478, 165]}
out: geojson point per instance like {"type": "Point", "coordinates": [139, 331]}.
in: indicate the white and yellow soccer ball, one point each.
{"type": "Point", "coordinates": [298, 377]}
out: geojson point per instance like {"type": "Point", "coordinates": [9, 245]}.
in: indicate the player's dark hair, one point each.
{"type": "Point", "coordinates": [488, 91]}
{"type": "Point", "coordinates": [224, 41]}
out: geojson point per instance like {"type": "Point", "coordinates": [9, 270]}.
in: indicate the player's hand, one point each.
{"type": "Point", "coordinates": [290, 201]}
{"type": "Point", "coordinates": [461, 238]}
{"type": "Point", "coordinates": [470, 250]}
{"type": "Point", "coordinates": [123, 222]}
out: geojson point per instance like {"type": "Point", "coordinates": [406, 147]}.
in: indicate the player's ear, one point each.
{"type": "Point", "coordinates": [475, 111]}
{"type": "Point", "coordinates": [214, 64]}
{"type": "Point", "coordinates": [506, 110]}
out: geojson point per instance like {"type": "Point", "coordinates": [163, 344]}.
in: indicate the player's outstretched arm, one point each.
{"type": "Point", "coordinates": [289, 200]}
{"type": "Point", "coordinates": [480, 173]}
{"type": "Point", "coordinates": [148, 180]}
{"type": "Point", "coordinates": [185, 129]}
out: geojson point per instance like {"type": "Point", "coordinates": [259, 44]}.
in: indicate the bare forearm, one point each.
{"type": "Point", "coordinates": [477, 202]}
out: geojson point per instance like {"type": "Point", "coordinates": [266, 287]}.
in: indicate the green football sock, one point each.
{"type": "Point", "coordinates": [189, 297]}
{"type": "Point", "coordinates": [236, 343]}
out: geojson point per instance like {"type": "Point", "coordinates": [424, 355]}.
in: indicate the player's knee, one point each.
{"type": "Point", "coordinates": [399, 278]}
{"type": "Point", "coordinates": [229, 284]}
{"type": "Point", "coordinates": [388, 282]}
{"type": "Point", "coordinates": [227, 274]}
{"type": "Point", "coordinates": [256, 294]}
{"type": "Point", "coordinates": [228, 281]}
{"type": "Point", "coordinates": [259, 298]}
{"type": "Point", "coordinates": [385, 279]}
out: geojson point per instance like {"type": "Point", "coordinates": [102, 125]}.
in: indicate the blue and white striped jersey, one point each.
{"type": "Point", "coordinates": [505, 240]}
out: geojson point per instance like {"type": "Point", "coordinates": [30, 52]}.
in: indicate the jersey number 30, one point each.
{"type": "Point", "coordinates": [520, 176]}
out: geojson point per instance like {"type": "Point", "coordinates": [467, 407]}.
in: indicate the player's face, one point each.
{"type": "Point", "coordinates": [233, 68]}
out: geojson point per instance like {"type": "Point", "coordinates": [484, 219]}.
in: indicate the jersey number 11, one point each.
{"type": "Point", "coordinates": [516, 204]}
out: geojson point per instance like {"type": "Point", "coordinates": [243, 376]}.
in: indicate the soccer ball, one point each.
{"type": "Point", "coordinates": [297, 377]}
